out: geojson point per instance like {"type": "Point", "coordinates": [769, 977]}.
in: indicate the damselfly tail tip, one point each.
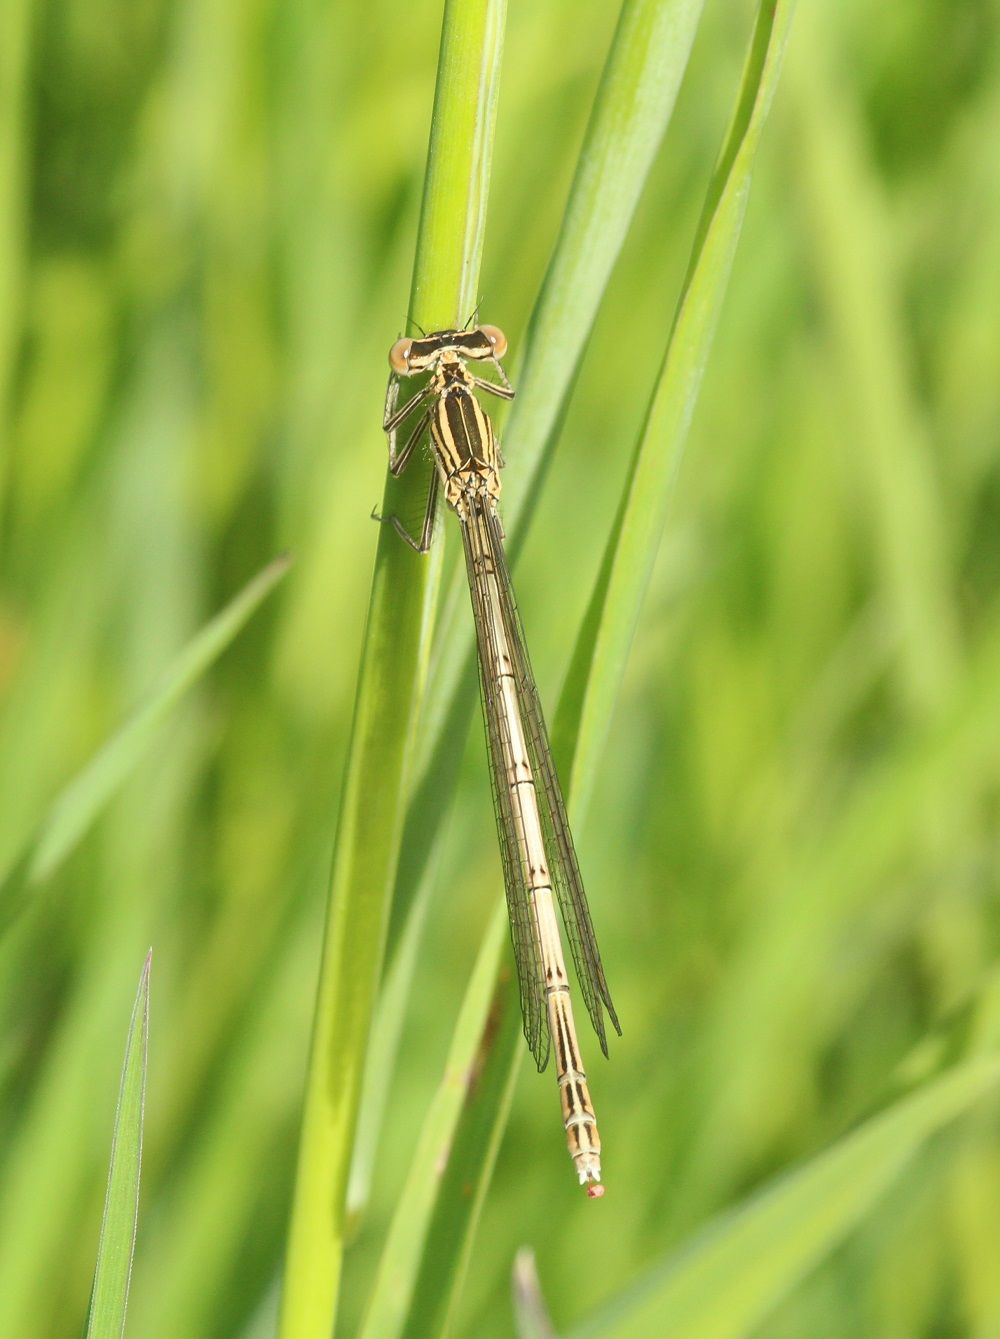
{"type": "Point", "coordinates": [588, 1169]}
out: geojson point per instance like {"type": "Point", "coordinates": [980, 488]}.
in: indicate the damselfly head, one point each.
{"type": "Point", "coordinates": [408, 356]}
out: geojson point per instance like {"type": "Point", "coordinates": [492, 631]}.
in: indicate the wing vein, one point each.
{"type": "Point", "coordinates": [523, 926]}
{"type": "Point", "coordinates": [558, 835]}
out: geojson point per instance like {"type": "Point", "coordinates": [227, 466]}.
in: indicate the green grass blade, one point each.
{"type": "Point", "coordinates": [723, 1284]}
{"type": "Point", "coordinates": [380, 1062]}
{"type": "Point", "coordinates": [15, 46]}
{"type": "Point", "coordinates": [456, 189]}
{"type": "Point", "coordinates": [121, 1205]}
{"type": "Point", "coordinates": [476, 1143]}
{"type": "Point", "coordinates": [632, 110]}
{"type": "Point", "coordinates": [599, 657]}
{"type": "Point", "coordinates": [79, 804]}
{"type": "Point", "coordinates": [235, 1165]}
{"type": "Point", "coordinates": [388, 1305]}
{"type": "Point", "coordinates": [390, 686]}
{"type": "Point", "coordinates": [454, 1225]}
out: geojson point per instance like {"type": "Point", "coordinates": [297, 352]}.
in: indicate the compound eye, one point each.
{"type": "Point", "coordinates": [497, 338]}
{"type": "Point", "coordinates": [399, 356]}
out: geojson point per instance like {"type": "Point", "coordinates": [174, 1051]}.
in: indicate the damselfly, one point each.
{"type": "Point", "coordinates": [539, 861]}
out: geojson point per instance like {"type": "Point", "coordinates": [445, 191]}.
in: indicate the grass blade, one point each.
{"type": "Point", "coordinates": [389, 1303]}
{"type": "Point", "coordinates": [723, 1285]}
{"type": "Point", "coordinates": [15, 46]}
{"type": "Point", "coordinates": [121, 1205]}
{"type": "Point", "coordinates": [79, 804]}
{"type": "Point", "coordinates": [390, 688]}
{"type": "Point", "coordinates": [380, 1062]}
{"type": "Point", "coordinates": [476, 1143]}
{"type": "Point", "coordinates": [632, 110]}
{"type": "Point", "coordinates": [601, 650]}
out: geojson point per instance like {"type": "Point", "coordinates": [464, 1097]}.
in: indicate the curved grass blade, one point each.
{"type": "Point", "coordinates": [109, 1297]}
{"type": "Point", "coordinates": [633, 107]}
{"type": "Point", "coordinates": [389, 1304]}
{"type": "Point", "coordinates": [461, 1192]}
{"type": "Point", "coordinates": [598, 661]}
{"type": "Point", "coordinates": [724, 1284]}
{"type": "Point", "coordinates": [80, 802]}
{"type": "Point", "coordinates": [390, 690]}
{"type": "Point", "coordinates": [16, 22]}
{"type": "Point", "coordinates": [380, 1061]}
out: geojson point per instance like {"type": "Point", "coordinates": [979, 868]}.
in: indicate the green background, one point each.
{"type": "Point", "coordinates": [207, 221]}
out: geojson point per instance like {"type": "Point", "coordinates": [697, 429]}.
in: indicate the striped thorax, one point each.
{"type": "Point", "coordinates": [463, 437]}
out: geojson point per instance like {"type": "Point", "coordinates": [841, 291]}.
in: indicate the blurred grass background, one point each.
{"type": "Point", "coordinates": [206, 232]}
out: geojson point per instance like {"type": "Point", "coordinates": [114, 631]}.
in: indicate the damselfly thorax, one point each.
{"type": "Point", "coordinates": [467, 461]}
{"type": "Point", "coordinates": [464, 441]}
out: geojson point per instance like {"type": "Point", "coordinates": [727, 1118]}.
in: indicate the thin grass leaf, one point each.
{"type": "Point", "coordinates": [602, 647]}
{"type": "Point", "coordinates": [632, 109]}
{"type": "Point", "coordinates": [453, 1228]}
{"type": "Point", "coordinates": [80, 803]}
{"type": "Point", "coordinates": [200, 1234]}
{"type": "Point", "coordinates": [390, 688]}
{"type": "Point", "coordinates": [380, 1062]}
{"type": "Point", "coordinates": [15, 45]}
{"type": "Point", "coordinates": [477, 1136]}
{"type": "Point", "coordinates": [724, 1284]}
{"type": "Point", "coordinates": [109, 1298]}
{"type": "Point", "coordinates": [389, 1304]}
